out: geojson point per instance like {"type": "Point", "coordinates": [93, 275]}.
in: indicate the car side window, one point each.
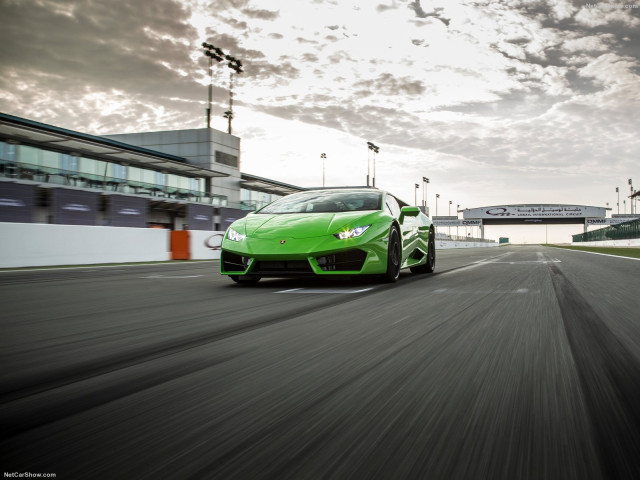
{"type": "Point", "coordinates": [392, 205]}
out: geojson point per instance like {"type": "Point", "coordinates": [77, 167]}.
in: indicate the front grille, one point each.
{"type": "Point", "coordinates": [275, 267]}
{"type": "Point", "coordinates": [232, 262]}
{"type": "Point", "coordinates": [351, 260]}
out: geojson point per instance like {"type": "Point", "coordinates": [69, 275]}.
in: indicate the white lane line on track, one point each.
{"type": "Point", "coordinates": [519, 291]}
{"type": "Point", "coordinates": [172, 276]}
{"type": "Point", "coordinates": [598, 253]}
{"type": "Point", "coordinates": [323, 290]}
{"type": "Point", "coordinates": [528, 262]}
{"type": "Point", "coordinates": [484, 261]}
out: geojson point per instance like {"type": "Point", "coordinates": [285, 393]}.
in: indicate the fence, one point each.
{"type": "Point", "coordinates": [622, 231]}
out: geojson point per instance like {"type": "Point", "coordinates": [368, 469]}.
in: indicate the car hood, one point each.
{"type": "Point", "coordinates": [303, 225]}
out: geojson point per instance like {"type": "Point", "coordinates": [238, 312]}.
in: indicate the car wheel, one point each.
{"type": "Point", "coordinates": [244, 279]}
{"type": "Point", "coordinates": [394, 256]}
{"type": "Point", "coordinates": [430, 264]}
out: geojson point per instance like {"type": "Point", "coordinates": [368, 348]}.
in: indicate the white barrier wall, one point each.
{"type": "Point", "coordinates": [631, 242]}
{"type": "Point", "coordinates": [38, 244]}
{"type": "Point", "coordinates": [205, 244]}
{"type": "Point", "coordinates": [455, 244]}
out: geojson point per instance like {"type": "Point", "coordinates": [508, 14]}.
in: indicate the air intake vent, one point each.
{"type": "Point", "coordinates": [234, 263]}
{"type": "Point", "coordinates": [351, 260]}
{"type": "Point", "coordinates": [282, 267]}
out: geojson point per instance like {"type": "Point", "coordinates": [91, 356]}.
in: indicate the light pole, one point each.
{"type": "Point", "coordinates": [214, 53]}
{"type": "Point", "coordinates": [618, 204]}
{"type": "Point", "coordinates": [375, 149]}
{"type": "Point", "coordinates": [323, 156]}
{"type": "Point", "coordinates": [236, 66]}
{"type": "Point", "coordinates": [457, 210]}
{"type": "Point", "coordinates": [437, 197]}
{"type": "Point", "coordinates": [415, 195]}
{"type": "Point", "coordinates": [631, 188]}
{"type": "Point", "coordinates": [425, 181]}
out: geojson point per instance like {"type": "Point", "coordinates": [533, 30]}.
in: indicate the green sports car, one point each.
{"type": "Point", "coordinates": [355, 231]}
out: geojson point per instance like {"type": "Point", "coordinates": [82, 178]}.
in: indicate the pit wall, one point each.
{"type": "Point", "coordinates": [41, 244]}
{"type": "Point", "coordinates": [630, 242]}
{"type": "Point", "coordinates": [38, 245]}
{"type": "Point", "coordinates": [456, 244]}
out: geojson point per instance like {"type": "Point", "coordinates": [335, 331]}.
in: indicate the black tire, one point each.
{"type": "Point", "coordinates": [394, 256]}
{"type": "Point", "coordinates": [245, 279]}
{"type": "Point", "coordinates": [430, 265]}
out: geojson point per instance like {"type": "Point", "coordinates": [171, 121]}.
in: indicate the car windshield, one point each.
{"type": "Point", "coordinates": [325, 201]}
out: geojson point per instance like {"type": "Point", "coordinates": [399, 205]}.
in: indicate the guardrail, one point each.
{"type": "Point", "coordinates": [622, 231]}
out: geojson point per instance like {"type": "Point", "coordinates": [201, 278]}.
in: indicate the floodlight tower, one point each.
{"type": "Point", "coordinates": [323, 156]}
{"type": "Point", "coordinates": [425, 181]}
{"type": "Point", "coordinates": [375, 149]}
{"type": "Point", "coordinates": [236, 66]}
{"type": "Point", "coordinates": [214, 53]}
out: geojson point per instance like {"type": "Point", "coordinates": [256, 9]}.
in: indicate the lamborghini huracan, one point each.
{"type": "Point", "coordinates": [342, 231]}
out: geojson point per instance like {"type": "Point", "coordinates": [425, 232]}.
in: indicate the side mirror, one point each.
{"type": "Point", "coordinates": [408, 212]}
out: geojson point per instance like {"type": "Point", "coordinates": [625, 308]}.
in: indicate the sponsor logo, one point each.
{"type": "Point", "coordinates": [214, 242]}
{"type": "Point", "coordinates": [202, 217]}
{"type": "Point", "coordinates": [499, 212]}
{"type": "Point", "coordinates": [11, 202]}
{"type": "Point", "coordinates": [129, 211]}
{"type": "Point", "coordinates": [76, 207]}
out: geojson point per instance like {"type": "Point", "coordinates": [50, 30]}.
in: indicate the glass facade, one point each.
{"type": "Point", "coordinates": [48, 166]}
{"type": "Point", "coordinates": [253, 200]}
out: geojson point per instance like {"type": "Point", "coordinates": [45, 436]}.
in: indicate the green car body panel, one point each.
{"type": "Point", "coordinates": [306, 243]}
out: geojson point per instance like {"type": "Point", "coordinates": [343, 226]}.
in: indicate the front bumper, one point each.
{"type": "Point", "coordinates": [278, 257]}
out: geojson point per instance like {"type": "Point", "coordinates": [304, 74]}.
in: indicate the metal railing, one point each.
{"type": "Point", "coordinates": [59, 176]}
{"type": "Point", "coordinates": [622, 231]}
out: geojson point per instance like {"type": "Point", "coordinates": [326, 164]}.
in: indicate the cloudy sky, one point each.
{"type": "Point", "coordinates": [496, 102]}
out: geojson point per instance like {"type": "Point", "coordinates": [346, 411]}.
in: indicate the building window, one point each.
{"type": "Point", "coordinates": [67, 162]}
{"type": "Point", "coordinates": [227, 159]}
{"type": "Point", "coordinates": [8, 151]}
{"type": "Point", "coordinates": [119, 172]}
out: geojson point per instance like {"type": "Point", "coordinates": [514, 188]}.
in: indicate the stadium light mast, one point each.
{"type": "Point", "coordinates": [214, 53]}
{"type": "Point", "coordinates": [323, 156]}
{"type": "Point", "coordinates": [437, 197]}
{"type": "Point", "coordinates": [631, 198]}
{"type": "Point", "coordinates": [236, 66]}
{"type": "Point", "coordinates": [415, 195]}
{"type": "Point", "coordinates": [425, 181]}
{"type": "Point", "coordinates": [618, 204]}
{"type": "Point", "coordinates": [375, 149]}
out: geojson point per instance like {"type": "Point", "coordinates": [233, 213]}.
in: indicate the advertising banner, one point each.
{"type": "Point", "coordinates": [17, 202]}
{"type": "Point", "coordinates": [74, 207]}
{"type": "Point", "coordinates": [230, 215]}
{"type": "Point", "coordinates": [506, 212]}
{"type": "Point", "coordinates": [199, 217]}
{"type": "Point", "coordinates": [609, 221]}
{"type": "Point", "coordinates": [457, 223]}
{"type": "Point", "coordinates": [125, 211]}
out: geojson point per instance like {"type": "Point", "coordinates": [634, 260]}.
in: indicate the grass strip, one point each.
{"type": "Point", "coordinates": [633, 252]}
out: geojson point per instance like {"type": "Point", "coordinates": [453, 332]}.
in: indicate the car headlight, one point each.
{"type": "Point", "coordinates": [354, 232]}
{"type": "Point", "coordinates": [235, 236]}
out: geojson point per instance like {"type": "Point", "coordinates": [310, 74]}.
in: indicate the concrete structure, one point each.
{"type": "Point", "coordinates": [183, 179]}
{"type": "Point", "coordinates": [205, 148]}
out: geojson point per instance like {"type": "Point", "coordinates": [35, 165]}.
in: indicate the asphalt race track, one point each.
{"type": "Point", "coordinates": [508, 363]}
